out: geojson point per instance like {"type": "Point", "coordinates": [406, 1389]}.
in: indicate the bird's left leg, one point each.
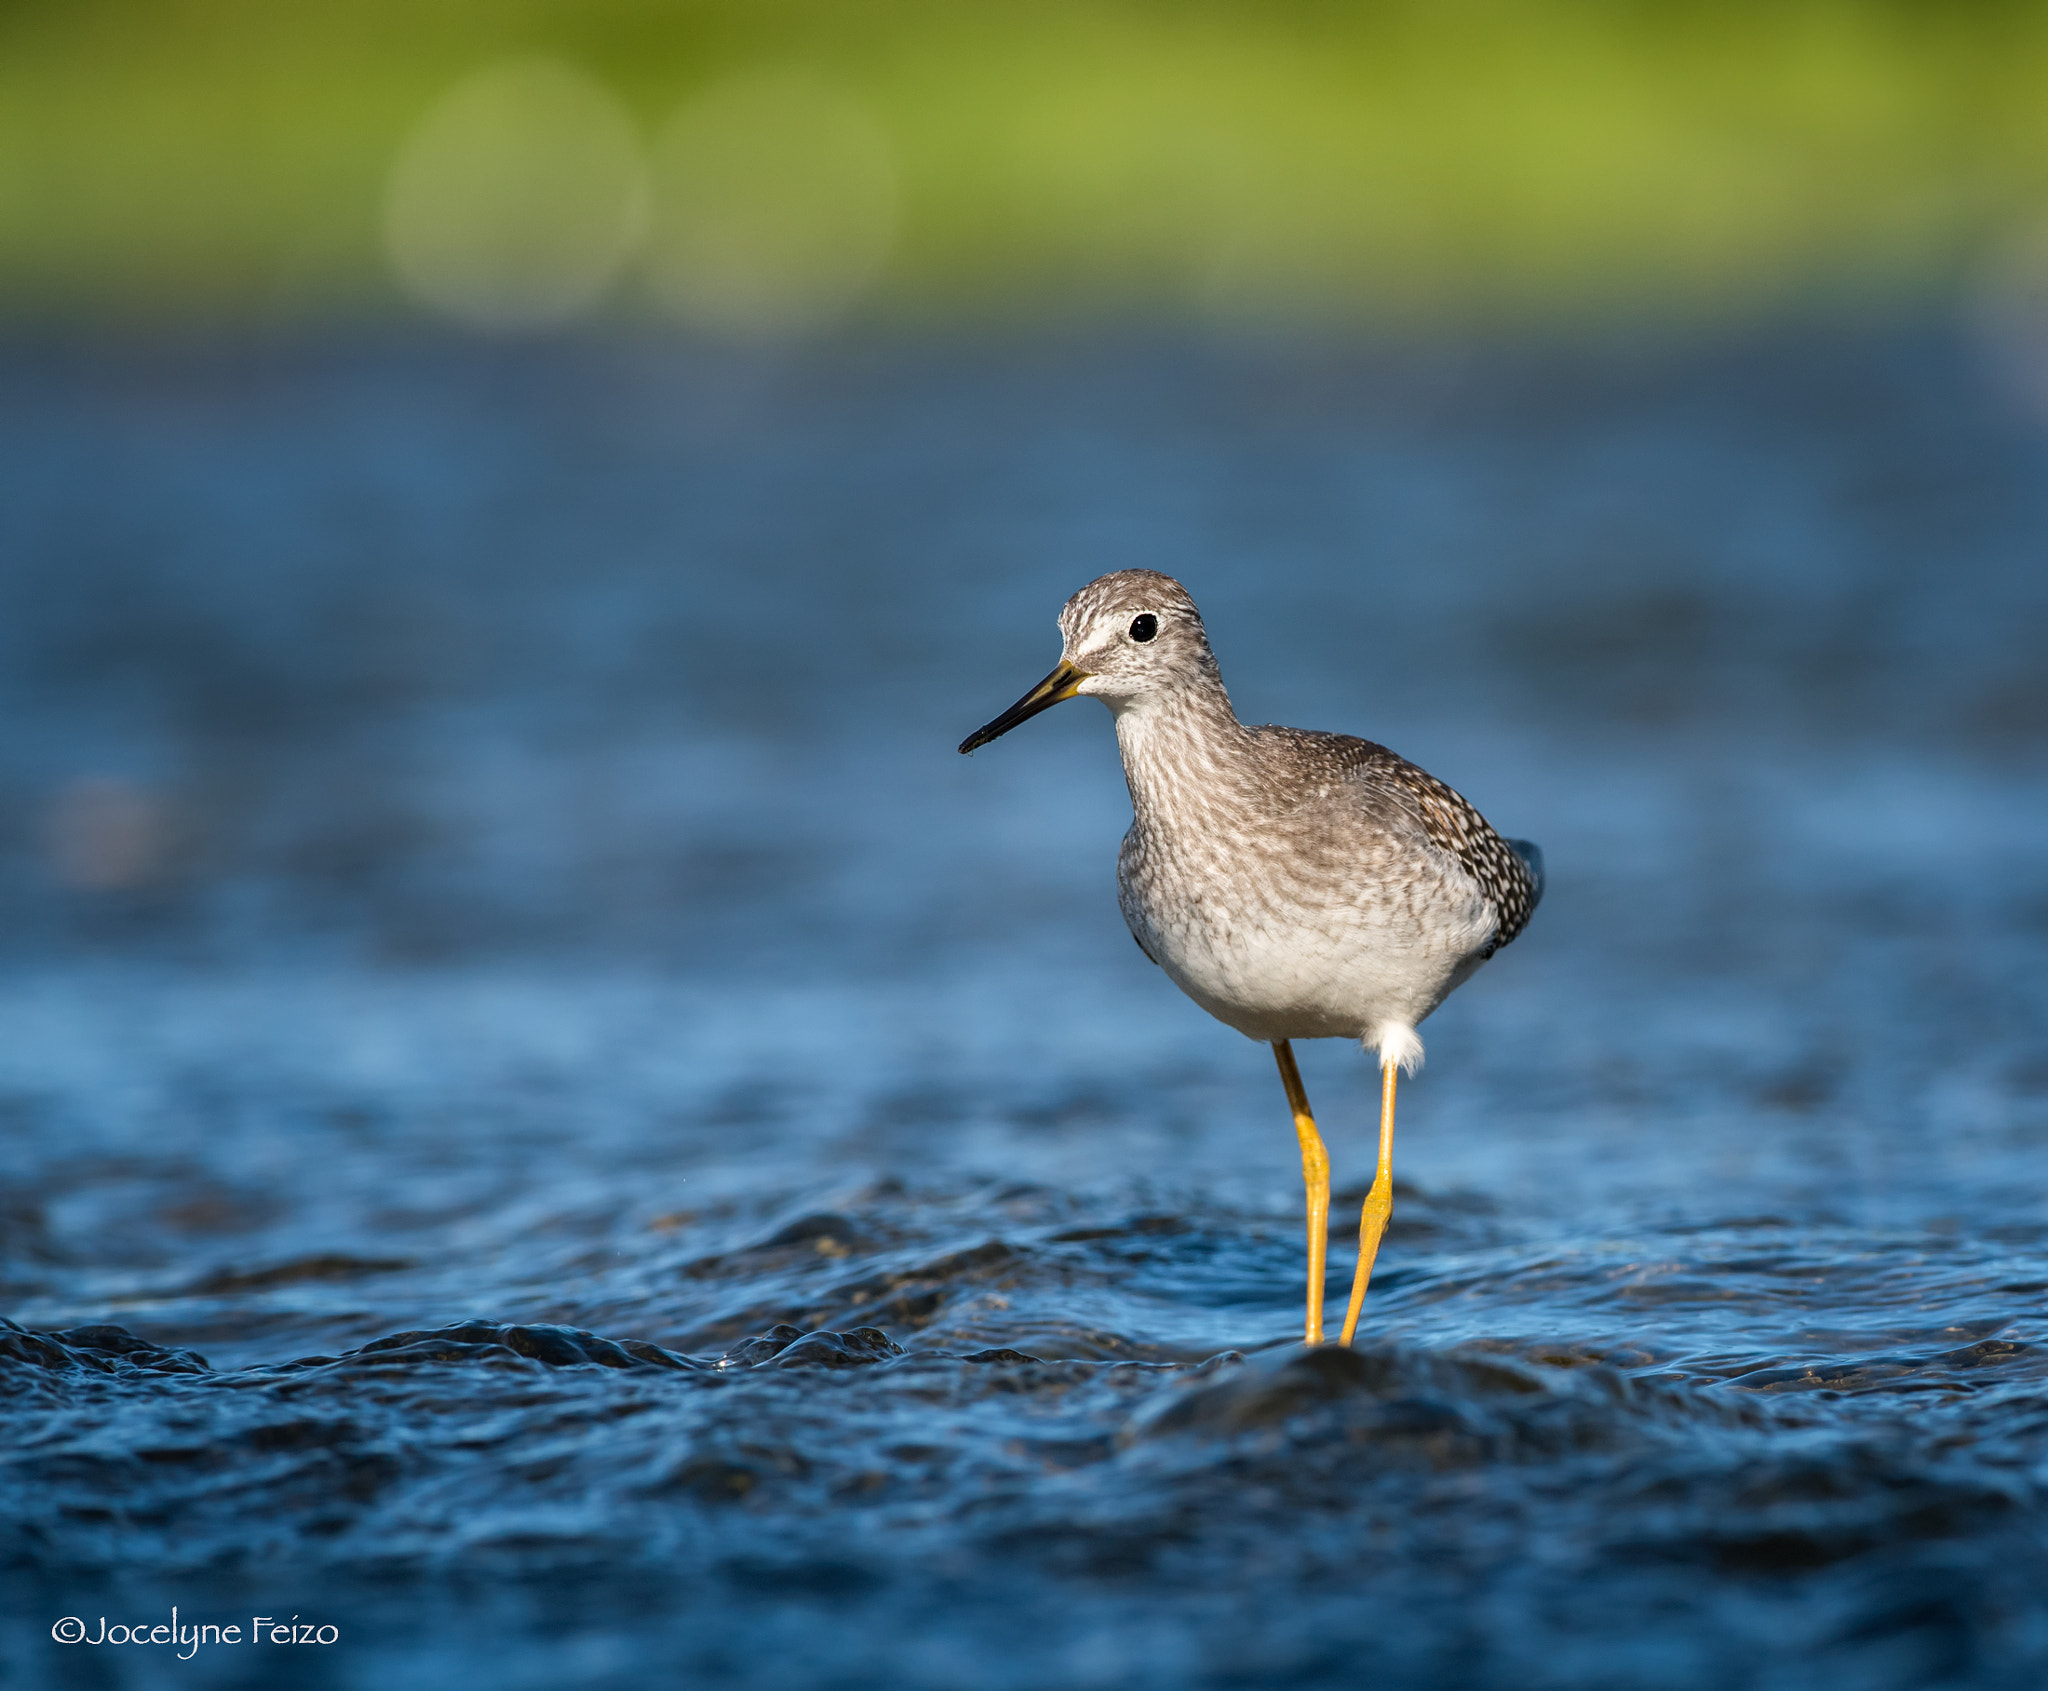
{"type": "Point", "coordinates": [1315, 1180]}
{"type": "Point", "coordinates": [1379, 1201]}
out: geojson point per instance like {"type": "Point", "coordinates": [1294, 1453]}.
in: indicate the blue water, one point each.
{"type": "Point", "coordinates": [483, 849]}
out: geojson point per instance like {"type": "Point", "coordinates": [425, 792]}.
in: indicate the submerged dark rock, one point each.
{"type": "Point", "coordinates": [1441, 1407]}
{"type": "Point", "coordinates": [481, 1341]}
{"type": "Point", "coordinates": [102, 1349]}
{"type": "Point", "coordinates": [860, 1348]}
{"type": "Point", "coordinates": [761, 1347]}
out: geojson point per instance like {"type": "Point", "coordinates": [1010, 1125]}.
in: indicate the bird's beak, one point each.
{"type": "Point", "coordinates": [1063, 683]}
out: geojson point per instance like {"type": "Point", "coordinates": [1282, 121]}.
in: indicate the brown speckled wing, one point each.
{"type": "Point", "coordinates": [1509, 876]}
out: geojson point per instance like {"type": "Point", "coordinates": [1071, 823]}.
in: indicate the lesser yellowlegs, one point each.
{"type": "Point", "coordinates": [1296, 885]}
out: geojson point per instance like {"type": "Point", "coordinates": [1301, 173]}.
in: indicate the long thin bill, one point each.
{"type": "Point", "coordinates": [1059, 685]}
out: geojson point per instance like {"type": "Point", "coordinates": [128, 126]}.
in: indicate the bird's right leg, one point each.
{"type": "Point", "coordinates": [1379, 1202]}
{"type": "Point", "coordinates": [1315, 1179]}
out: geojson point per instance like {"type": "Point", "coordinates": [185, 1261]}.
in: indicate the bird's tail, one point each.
{"type": "Point", "coordinates": [1531, 855]}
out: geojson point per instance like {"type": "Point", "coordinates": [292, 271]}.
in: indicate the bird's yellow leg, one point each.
{"type": "Point", "coordinates": [1379, 1202]}
{"type": "Point", "coordinates": [1315, 1178]}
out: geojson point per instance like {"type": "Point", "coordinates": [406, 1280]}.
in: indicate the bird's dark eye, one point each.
{"type": "Point", "coordinates": [1144, 627]}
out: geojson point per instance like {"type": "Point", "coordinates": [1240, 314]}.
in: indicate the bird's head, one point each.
{"type": "Point", "coordinates": [1125, 638]}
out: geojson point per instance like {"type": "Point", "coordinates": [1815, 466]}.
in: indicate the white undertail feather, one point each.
{"type": "Point", "coordinates": [1396, 1045]}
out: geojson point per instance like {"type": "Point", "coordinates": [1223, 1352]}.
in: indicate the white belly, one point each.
{"type": "Point", "coordinates": [1345, 967]}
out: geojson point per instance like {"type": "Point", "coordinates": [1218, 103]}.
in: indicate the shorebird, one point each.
{"type": "Point", "coordinates": [1296, 885]}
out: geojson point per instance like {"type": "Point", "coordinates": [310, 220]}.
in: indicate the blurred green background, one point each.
{"type": "Point", "coordinates": [759, 167]}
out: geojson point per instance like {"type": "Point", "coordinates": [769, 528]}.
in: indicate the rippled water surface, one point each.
{"type": "Point", "coordinates": [554, 1126]}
